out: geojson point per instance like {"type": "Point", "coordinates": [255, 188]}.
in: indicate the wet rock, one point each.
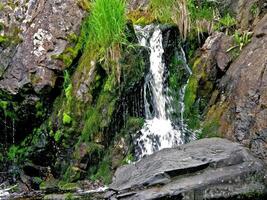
{"type": "Point", "coordinates": [30, 76]}
{"type": "Point", "coordinates": [244, 89]}
{"type": "Point", "coordinates": [204, 169]}
{"type": "Point", "coordinates": [210, 64]}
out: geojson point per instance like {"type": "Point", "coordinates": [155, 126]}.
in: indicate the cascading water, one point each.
{"type": "Point", "coordinates": [158, 131]}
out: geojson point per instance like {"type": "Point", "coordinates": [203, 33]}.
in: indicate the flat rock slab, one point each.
{"type": "Point", "coordinates": [204, 169]}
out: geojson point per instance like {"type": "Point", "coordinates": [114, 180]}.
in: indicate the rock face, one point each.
{"type": "Point", "coordinates": [204, 169]}
{"type": "Point", "coordinates": [44, 27]}
{"type": "Point", "coordinates": [35, 33]}
{"type": "Point", "coordinates": [244, 89]}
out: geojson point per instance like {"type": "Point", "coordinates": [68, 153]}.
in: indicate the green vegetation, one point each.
{"type": "Point", "coordinates": [227, 22]}
{"type": "Point", "coordinates": [57, 135]}
{"type": "Point", "coordinates": [172, 11]}
{"type": "Point", "coordinates": [242, 39]}
{"type": "Point", "coordinates": [13, 151]}
{"type": "Point", "coordinates": [3, 39]}
{"type": "Point", "coordinates": [66, 119]}
{"type": "Point", "coordinates": [106, 24]}
{"type": "Point", "coordinates": [191, 112]}
{"type": "Point", "coordinates": [254, 9]}
{"type": "Point", "coordinates": [84, 4]}
{"type": "Point", "coordinates": [104, 172]}
{"type": "Point", "coordinates": [162, 11]}
{"type": "Point", "coordinates": [141, 17]}
{"type": "Point", "coordinates": [2, 6]}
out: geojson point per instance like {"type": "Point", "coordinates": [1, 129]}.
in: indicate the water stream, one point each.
{"type": "Point", "coordinates": [159, 131]}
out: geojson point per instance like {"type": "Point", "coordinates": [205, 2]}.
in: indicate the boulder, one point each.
{"type": "Point", "coordinates": [204, 169]}
{"type": "Point", "coordinates": [244, 89]}
{"type": "Point", "coordinates": [44, 27]}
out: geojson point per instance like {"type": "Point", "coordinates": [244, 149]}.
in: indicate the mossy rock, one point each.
{"type": "Point", "coordinates": [49, 185]}
{"type": "Point", "coordinates": [68, 186]}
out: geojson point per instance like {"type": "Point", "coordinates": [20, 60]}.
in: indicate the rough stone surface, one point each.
{"type": "Point", "coordinates": [214, 52]}
{"type": "Point", "coordinates": [244, 89]}
{"type": "Point", "coordinates": [204, 169]}
{"type": "Point", "coordinates": [44, 27]}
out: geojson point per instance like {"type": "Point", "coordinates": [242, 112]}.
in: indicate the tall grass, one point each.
{"type": "Point", "coordinates": [172, 11]}
{"type": "Point", "coordinates": [105, 29]}
{"type": "Point", "coordinates": [188, 15]}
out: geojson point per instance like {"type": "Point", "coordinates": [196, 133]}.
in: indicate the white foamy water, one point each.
{"type": "Point", "coordinates": [158, 131]}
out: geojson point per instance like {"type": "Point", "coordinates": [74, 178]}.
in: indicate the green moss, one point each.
{"type": "Point", "coordinates": [212, 122]}
{"type": "Point", "coordinates": [68, 186]}
{"type": "Point", "coordinates": [84, 4]}
{"type": "Point", "coordinates": [49, 185]}
{"type": "Point", "coordinates": [40, 110]}
{"type": "Point", "coordinates": [12, 152]}
{"type": "Point", "coordinates": [210, 129]}
{"type": "Point", "coordinates": [69, 196]}
{"type": "Point", "coordinates": [1, 27]}
{"type": "Point", "coordinates": [57, 135]}
{"type": "Point", "coordinates": [72, 174]}
{"type": "Point", "coordinates": [191, 97]}
{"type": "Point", "coordinates": [135, 123]}
{"type": "Point", "coordinates": [140, 17]}
{"type": "Point", "coordinates": [66, 119]}
{"type": "Point", "coordinates": [4, 105]}
{"type": "Point", "coordinates": [190, 93]}
{"type": "Point", "coordinates": [104, 172]}
{"type": "Point", "coordinates": [3, 39]}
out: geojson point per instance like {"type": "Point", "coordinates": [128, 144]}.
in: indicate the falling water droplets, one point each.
{"type": "Point", "coordinates": [158, 131]}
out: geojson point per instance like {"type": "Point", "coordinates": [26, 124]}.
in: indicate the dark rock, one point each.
{"type": "Point", "coordinates": [45, 26]}
{"type": "Point", "coordinates": [204, 169]}
{"type": "Point", "coordinates": [30, 76]}
{"type": "Point", "coordinates": [244, 93]}
{"type": "Point", "coordinates": [215, 53]}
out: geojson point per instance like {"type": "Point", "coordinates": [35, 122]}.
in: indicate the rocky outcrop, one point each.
{"type": "Point", "coordinates": [243, 95]}
{"type": "Point", "coordinates": [33, 36]}
{"type": "Point", "coordinates": [44, 27]}
{"type": "Point", "coordinates": [210, 64]}
{"type": "Point", "coordinates": [204, 169]}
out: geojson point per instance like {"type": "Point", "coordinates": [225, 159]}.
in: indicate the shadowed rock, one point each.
{"type": "Point", "coordinates": [204, 169]}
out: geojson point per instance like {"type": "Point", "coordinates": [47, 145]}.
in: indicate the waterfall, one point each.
{"type": "Point", "coordinates": [158, 131]}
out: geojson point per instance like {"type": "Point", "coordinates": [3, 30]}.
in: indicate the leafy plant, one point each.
{"type": "Point", "coordinates": [242, 39]}
{"type": "Point", "coordinates": [254, 10]}
{"type": "Point", "coordinates": [227, 22]}
{"type": "Point", "coordinates": [13, 150]}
